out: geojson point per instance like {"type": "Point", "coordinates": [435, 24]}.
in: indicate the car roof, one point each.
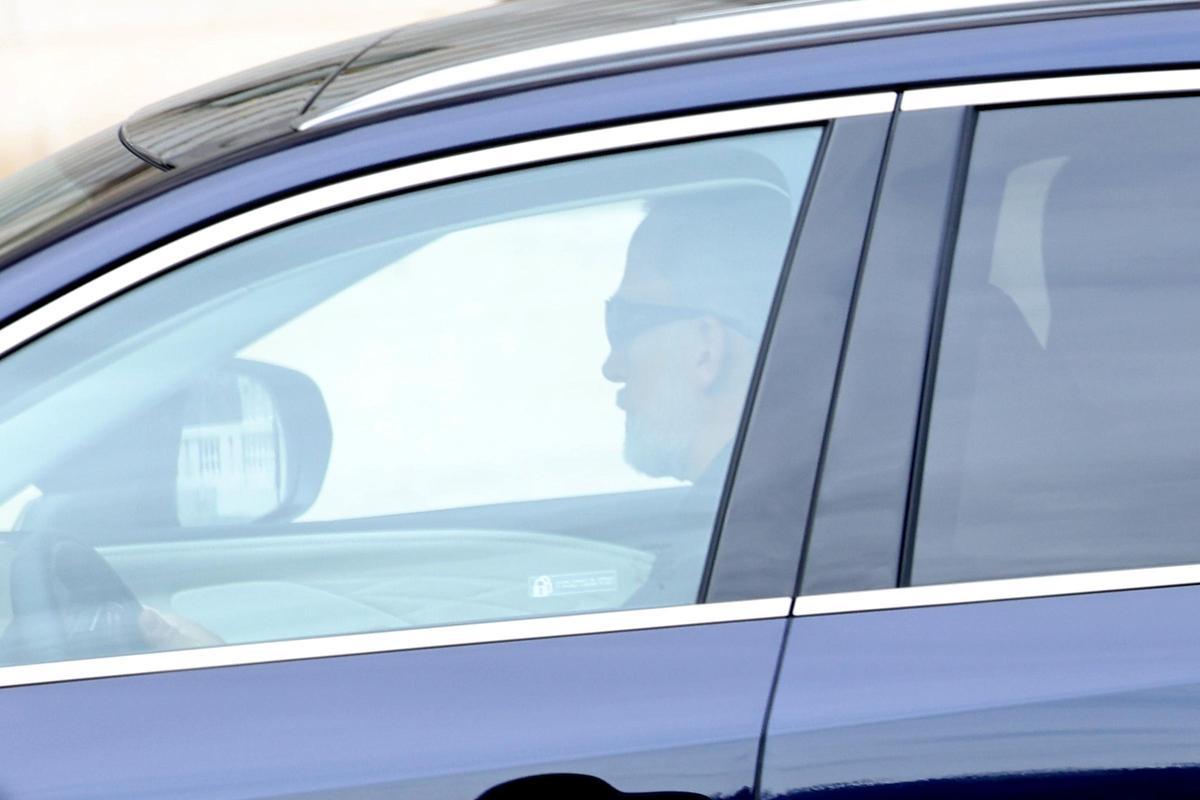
{"type": "Point", "coordinates": [522, 44]}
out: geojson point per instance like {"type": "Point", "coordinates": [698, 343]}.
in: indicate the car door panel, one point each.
{"type": "Point", "coordinates": [1061, 686]}
{"type": "Point", "coordinates": [674, 709]}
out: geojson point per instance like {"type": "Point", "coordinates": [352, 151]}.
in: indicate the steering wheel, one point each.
{"type": "Point", "coordinates": [67, 603]}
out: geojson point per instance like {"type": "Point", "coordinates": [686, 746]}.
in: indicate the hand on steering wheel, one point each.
{"type": "Point", "coordinates": [68, 603]}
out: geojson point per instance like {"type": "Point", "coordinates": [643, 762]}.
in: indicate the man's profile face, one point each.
{"type": "Point", "coordinates": [653, 342]}
{"type": "Point", "coordinates": [682, 330]}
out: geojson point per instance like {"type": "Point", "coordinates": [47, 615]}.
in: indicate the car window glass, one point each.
{"type": "Point", "coordinates": [1065, 427]}
{"type": "Point", "coordinates": [505, 397]}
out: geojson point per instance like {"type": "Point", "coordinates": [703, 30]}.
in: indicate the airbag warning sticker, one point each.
{"type": "Point", "coordinates": [573, 583]}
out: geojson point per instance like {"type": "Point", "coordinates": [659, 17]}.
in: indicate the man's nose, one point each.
{"type": "Point", "coordinates": [613, 367]}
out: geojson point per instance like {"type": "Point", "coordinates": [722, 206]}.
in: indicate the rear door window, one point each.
{"type": "Point", "coordinates": [1065, 422]}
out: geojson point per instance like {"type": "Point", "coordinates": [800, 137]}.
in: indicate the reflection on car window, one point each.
{"type": "Point", "coordinates": [507, 397]}
{"type": "Point", "coordinates": [66, 186]}
{"type": "Point", "coordinates": [1064, 422]}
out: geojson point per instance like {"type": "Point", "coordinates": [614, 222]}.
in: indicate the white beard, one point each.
{"type": "Point", "coordinates": [658, 441]}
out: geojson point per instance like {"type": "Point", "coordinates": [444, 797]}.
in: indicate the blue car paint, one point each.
{"type": "Point", "coordinates": [1053, 686]}
{"type": "Point", "coordinates": [673, 709]}
{"type": "Point", "coordinates": [1097, 42]}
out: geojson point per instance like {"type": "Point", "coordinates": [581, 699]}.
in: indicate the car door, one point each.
{"type": "Point", "coordinates": [999, 590]}
{"type": "Point", "coordinates": [332, 498]}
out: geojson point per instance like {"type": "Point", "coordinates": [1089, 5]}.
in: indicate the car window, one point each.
{"type": "Point", "coordinates": [1065, 424]}
{"type": "Point", "coordinates": [505, 397]}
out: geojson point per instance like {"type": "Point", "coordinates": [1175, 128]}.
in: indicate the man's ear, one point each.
{"type": "Point", "coordinates": [711, 352]}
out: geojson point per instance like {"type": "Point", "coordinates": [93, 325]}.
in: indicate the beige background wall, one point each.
{"type": "Point", "coordinates": [73, 67]}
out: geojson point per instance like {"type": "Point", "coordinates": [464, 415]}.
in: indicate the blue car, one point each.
{"type": "Point", "coordinates": [678, 399]}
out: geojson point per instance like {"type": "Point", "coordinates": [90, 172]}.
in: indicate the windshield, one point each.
{"type": "Point", "coordinates": [65, 187]}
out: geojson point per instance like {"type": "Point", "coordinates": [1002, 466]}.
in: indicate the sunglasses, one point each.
{"type": "Point", "coordinates": [625, 321]}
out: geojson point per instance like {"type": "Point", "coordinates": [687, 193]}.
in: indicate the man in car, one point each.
{"type": "Point", "coordinates": [684, 328]}
{"type": "Point", "coordinates": [685, 323]}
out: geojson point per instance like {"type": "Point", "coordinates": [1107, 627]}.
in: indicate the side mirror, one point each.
{"type": "Point", "coordinates": [244, 442]}
{"type": "Point", "coordinates": [254, 443]}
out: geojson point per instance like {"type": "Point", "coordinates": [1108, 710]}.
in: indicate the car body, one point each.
{"type": "Point", "coordinates": [941, 547]}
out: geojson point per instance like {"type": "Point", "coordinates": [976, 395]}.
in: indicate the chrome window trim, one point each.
{"type": "Point", "coordinates": [395, 641]}
{"type": "Point", "coordinates": [1064, 88]}
{"type": "Point", "coordinates": [438, 170]}
{"type": "Point", "coordinates": [993, 590]}
{"type": "Point", "coordinates": [705, 30]}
